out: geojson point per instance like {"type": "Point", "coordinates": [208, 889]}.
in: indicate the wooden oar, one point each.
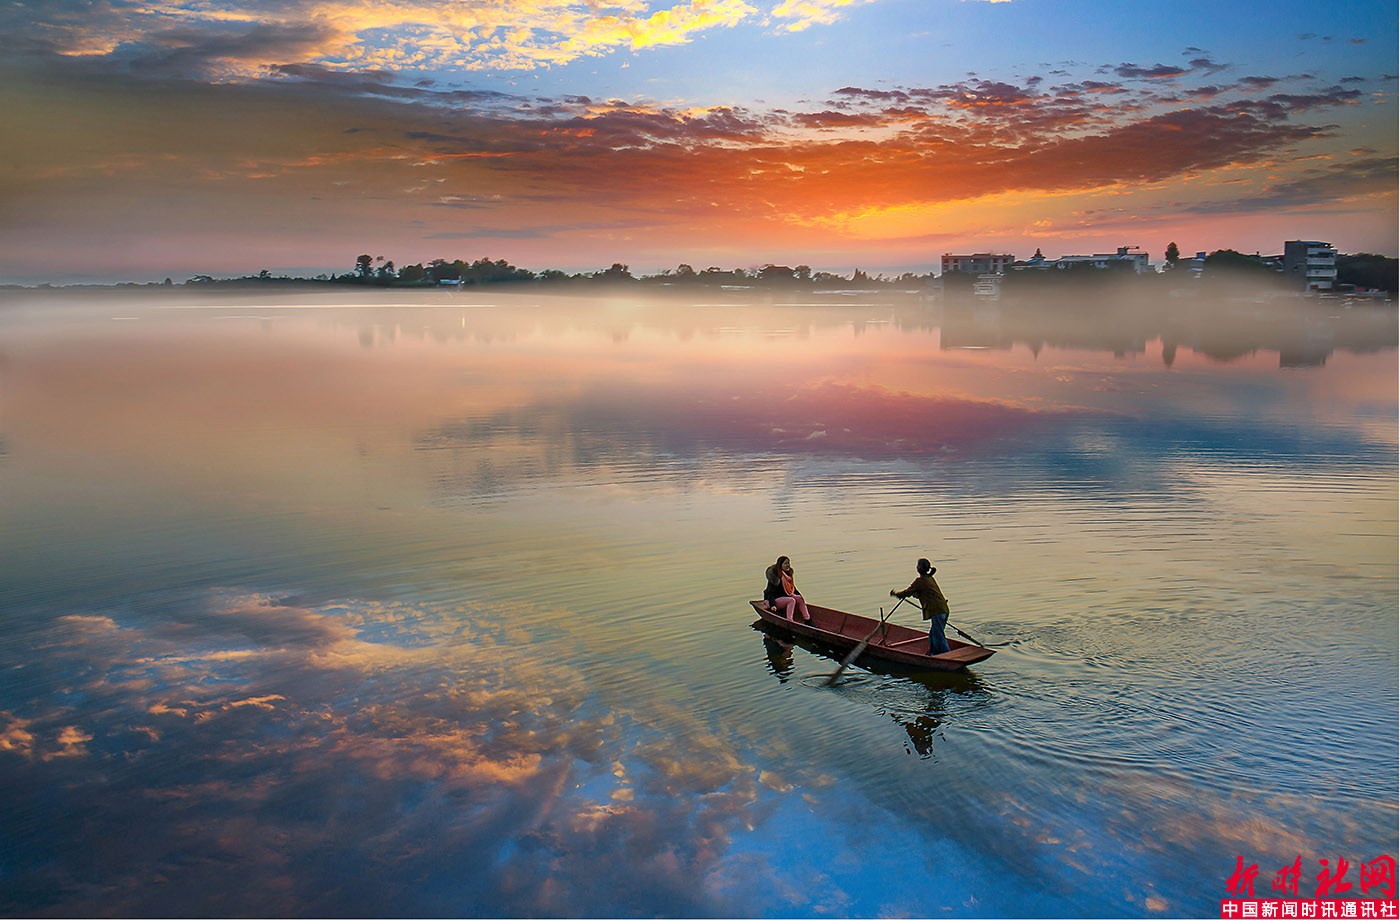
{"type": "Point", "coordinates": [974, 641]}
{"type": "Point", "coordinates": [855, 652]}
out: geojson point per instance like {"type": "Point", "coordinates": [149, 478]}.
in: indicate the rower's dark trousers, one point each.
{"type": "Point", "coordinates": [937, 642]}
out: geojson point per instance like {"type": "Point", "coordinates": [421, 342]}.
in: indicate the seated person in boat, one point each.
{"type": "Point", "coordinates": [781, 592]}
{"type": "Point", "coordinates": [934, 603]}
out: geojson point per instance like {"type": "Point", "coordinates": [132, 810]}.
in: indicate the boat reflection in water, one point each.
{"type": "Point", "coordinates": [918, 700]}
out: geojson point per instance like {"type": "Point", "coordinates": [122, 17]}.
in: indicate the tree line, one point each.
{"type": "Point", "coordinates": [376, 270]}
{"type": "Point", "coordinates": [1363, 270]}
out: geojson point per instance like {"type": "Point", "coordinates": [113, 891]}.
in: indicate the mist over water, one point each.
{"type": "Point", "coordinates": [427, 603]}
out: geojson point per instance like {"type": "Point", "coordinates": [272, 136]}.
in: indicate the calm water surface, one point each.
{"type": "Point", "coordinates": [437, 604]}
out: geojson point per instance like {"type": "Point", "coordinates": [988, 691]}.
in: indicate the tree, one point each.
{"type": "Point", "coordinates": [1173, 255]}
{"type": "Point", "coordinates": [440, 270]}
{"type": "Point", "coordinates": [1367, 270]}
{"type": "Point", "coordinates": [485, 271]}
{"type": "Point", "coordinates": [958, 285]}
{"type": "Point", "coordinates": [1228, 260]}
{"type": "Point", "coordinates": [616, 272]}
{"type": "Point", "coordinates": [364, 265]}
{"type": "Point", "coordinates": [1228, 268]}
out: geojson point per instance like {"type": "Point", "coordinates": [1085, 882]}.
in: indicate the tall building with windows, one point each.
{"type": "Point", "coordinates": [1313, 263]}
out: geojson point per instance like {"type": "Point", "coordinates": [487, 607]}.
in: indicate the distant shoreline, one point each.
{"type": "Point", "coordinates": [1086, 290]}
{"type": "Point", "coordinates": [1224, 272]}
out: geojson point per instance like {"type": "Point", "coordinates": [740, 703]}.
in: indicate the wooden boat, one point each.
{"type": "Point", "coordinates": [903, 645]}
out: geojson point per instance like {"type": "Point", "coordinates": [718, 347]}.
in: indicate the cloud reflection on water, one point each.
{"type": "Point", "coordinates": [255, 749]}
{"type": "Point", "coordinates": [234, 753]}
{"type": "Point", "coordinates": [681, 435]}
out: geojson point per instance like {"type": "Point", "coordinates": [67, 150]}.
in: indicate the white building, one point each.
{"type": "Point", "coordinates": [1130, 254]}
{"type": "Point", "coordinates": [1313, 263]}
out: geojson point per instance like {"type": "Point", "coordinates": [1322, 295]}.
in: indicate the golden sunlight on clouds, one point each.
{"type": "Point", "coordinates": [1008, 213]}
{"type": "Point", "coordinates": [807, 13]}
{"type": "Point", "coordinates": [665, 27]}
{"type": "Point", "coordinates": [488, 35]}
{"type": "Point", "coordinates": [15, 736]}
{"type": "Point", "coordinates": [72, 742]}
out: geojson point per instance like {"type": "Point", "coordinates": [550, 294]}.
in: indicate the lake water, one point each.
{"type": "Point", "coordinates": [431, 603]}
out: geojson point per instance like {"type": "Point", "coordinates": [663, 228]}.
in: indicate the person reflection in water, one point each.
{"type": "Point", "coordinates": [779, 657]}
{"type": "Point", "coordinates": [934, 603]}
{"type": "Point", "coordinates": [781, 592]}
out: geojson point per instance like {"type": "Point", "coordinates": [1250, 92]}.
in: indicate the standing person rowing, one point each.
{"type": "Point", "coordinates": [934, 603]}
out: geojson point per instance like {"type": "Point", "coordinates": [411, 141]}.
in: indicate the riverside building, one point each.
{"type": "Point", "coordinates": [1312, 263]}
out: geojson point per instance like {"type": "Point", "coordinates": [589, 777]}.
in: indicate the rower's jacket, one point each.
{"type": "Point", "coordinates": [927, 591]}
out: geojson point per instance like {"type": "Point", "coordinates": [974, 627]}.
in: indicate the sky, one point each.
{"type": "Point", "coordinates": [145, 140]}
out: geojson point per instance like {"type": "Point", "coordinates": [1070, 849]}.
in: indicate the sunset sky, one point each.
{"type": "Point", "coordinates": [144, 140]}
